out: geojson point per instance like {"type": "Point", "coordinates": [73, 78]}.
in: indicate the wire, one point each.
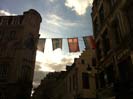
{"type": "Point", "coordinates": [79, 38]}
{"type": "Point", "coordinates": [60, 34]}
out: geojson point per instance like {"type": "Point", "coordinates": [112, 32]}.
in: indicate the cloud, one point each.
{"type": "Point", "coordinates": [59, 21]}
{"type": "Point", "coordinates": [40, 64]}
{"type": "Point", "coordinates": [54, 61]}
{"type": "Point", "coordinates": [5, 13]}
{"type": "Point", "coordinates": [79, 6]}
{"type": "Point", "coordinates": [51, 61]}
{"type": "Point", "coordinates": [54, 20]}
{"type": "Point", "coordinates": [52, 0]}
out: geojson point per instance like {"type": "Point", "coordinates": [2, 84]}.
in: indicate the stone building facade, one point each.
{"type": "Point", "coordinates": [113, 27]}
{"type": "Point", "coordinates": [77, 82]}
{"type": "Point", "coordinates": [18, 43]}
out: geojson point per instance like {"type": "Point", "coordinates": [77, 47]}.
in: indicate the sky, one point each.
{"type": "Point", "coordinates": [60, 19]}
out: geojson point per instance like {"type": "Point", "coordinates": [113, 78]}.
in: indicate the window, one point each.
{"type": "Point", "coordinates": [7, 36]}
{"type": "Point", "coordinates": [10, 36]}
{"type": "Point", "coordinates": [130, 16]}
{"type": "Point", "coordinates": [74, 80]}
{"type": "Point", "coordinates": [125, 70]}
{"type": "Point", "coordinates": [10, 20]}
{"type": "Point", "coordinates": [3, 71]}
{"type": "Point", "coordinates": [82, 61]}
{"type": "Point", "coordinates": [96, 26]}
{"type": "Point", "coordinates": [106, 43]}
{"type": "Point", "coordinates": [85, 80]}
{"type": "Point", "coordinates": [3, 96]}
{"type": "Point", "coordinates": [30, 42]}
{"type": "Point", "coordinates": [98, 51]}
{"type": "Point", "coordinates": [70, 84]}
{"type": "Point", "coordinates": [110, 74]}
{"type": "Point", "coordinates": [101, 14]}
{"type": "Point", "coordinates": [1, 35]}
{"type": "Point", "coordinates": [89, 68]}
{"type": "Point", "coordinates": [96, 2]}
{"type": "Point", "coordinates": [21, 19]}
{"type": "Point", "coordinates": [102, 79]}
{"type": "Point", "coordinates": [15, 20]}
{"type": "Point", "coordinates": [0, 20]}
{"type": "Point", "coordinates": [117, 31]}
{"type": "Point", "coordinates": [93, 61]}
{"type": "Point", "coordinates": [96, 80]}
{"type": "Point", "coordinates": [25, 73]}
{"type": "Point", "coordinates": [5, 21]}
{"type": "Point", "coordinates": [113, 2]}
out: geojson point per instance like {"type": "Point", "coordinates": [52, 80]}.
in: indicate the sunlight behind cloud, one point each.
{"type": "Point", "coordinates": [5, 13]}
{"type": "Point", "coordinates": [55, 60]}
{"type": "Point", "coordinates": [79, 6]}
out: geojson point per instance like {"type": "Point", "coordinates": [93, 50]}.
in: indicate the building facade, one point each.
{"type": "Point", "coordinates": [77, 82]}
{"type": "Point", "coordinates": [113, 26]}
{"type": "Point", "coordinates": [48, 86]}
{"type": "Point", "coordinates": [18, 44]}
{"type": "Point", "coordinates": [80, 79]}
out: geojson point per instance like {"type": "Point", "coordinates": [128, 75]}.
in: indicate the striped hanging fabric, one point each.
{"type": "Point", "coordinates": [73, 44]}
{"type": "Point", "coordinates": [89, 42]}
{"type": "Point", "coordinates": [57, 43]}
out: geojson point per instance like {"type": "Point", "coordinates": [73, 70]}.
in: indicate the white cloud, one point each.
{"type": "Point", "coordinates": [80, 6]}
{"type": "Point", "coordinates": [54, 61]}
{"type": "Point", "coordinates": [5, 13]}
{"type": "Point", "coordinates": [58, 21]}
{"type": "Point", "coordinates": [51, 0]}
{"type": "Point", "coordinates": [51, 61]}
{"type": "Point", "coordinates": [53, 16]}
{"type": "Point", "coordinates": [54, 20]}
